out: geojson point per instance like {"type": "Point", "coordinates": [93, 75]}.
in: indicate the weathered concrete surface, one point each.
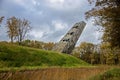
{"type": "Point", "coordinates": [67, 43]}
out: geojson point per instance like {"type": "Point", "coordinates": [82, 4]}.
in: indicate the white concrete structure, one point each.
{"type": "Point", "coordinates": [67, 43]}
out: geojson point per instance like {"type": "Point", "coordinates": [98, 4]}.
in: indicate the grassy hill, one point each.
{"type": "Point", "coordinates": [19, 56]}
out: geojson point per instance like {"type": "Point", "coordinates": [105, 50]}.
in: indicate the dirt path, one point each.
{"type": "Point", "coordinates": [53, 74]}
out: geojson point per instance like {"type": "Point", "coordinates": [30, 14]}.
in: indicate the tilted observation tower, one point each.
{"type": "Point", "coordinates": [68, 42]}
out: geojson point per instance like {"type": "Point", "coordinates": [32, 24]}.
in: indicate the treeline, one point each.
{"type": "Point", "coordinates": [34, 44]}
{"type": "Point", "coordinates": [97, 54]}
{"type": "Point", "coordinates": [38, 44]}
{"type": "Point", "coordinates": [106, 14]}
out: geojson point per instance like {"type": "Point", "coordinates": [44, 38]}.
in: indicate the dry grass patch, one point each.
{"type": "Point", "coordinates": [82, 73]}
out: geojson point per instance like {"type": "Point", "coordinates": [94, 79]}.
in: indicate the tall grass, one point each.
{"type": "Point", "coordinates": [52, 74]}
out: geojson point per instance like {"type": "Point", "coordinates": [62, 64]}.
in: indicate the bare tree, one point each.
{"type": "Point", "coordinates": [23, 27]}
{"type": "Point", "coordinates": [12, 28]}
{"type": "Point", "coordinates": [1, 19]}
{"type": "Point", "coordinates": [17, 28]}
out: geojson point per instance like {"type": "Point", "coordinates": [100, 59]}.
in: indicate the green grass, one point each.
{"type": "Point", "coordinates": [19, 56]}
{"type": "Point", "coordinates": [112, 74]}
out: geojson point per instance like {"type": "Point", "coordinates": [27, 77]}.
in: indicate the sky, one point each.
{"type": "Point", "coordinates": [50, 19]}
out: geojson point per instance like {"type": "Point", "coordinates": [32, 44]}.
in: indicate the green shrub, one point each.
{"type": "Point", "coordinates": [113, 74]}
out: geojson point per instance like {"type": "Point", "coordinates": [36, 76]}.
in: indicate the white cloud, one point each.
{"type": "Point", "coordinates": [66, 5]}
{"type": "Point", "coordinates": [21, 2]}
{"type": "Point", "coordinates": [27, 4]}
{"type": "Point", "coordinates": [41, 32]}
{"type": "Point", "coordinates": [56, 1]}
{"type": "Point", "coordinates": [36, 34]}
{"type": "Point", "coordinates": [34, 2]}
{"type": "Point", "coordinates": [59, 25]}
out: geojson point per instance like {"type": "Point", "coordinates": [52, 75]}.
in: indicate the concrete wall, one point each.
{"type": "Point", "coordinates": [68, 42]}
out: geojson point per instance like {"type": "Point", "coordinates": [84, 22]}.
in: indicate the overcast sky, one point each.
{"type": "Point", "coordinates": [50, 19]}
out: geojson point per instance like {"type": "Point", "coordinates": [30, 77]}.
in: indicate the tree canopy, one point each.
{"type": "Point", "coordinates": [107, 14]}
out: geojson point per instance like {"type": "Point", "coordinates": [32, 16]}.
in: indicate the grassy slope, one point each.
{"type": "Point", "coordinates": [18, 56]}
{"type": "Point", "coordinates": [112, 74]}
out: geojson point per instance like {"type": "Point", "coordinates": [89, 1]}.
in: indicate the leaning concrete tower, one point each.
{"type": "Point", "coordinates": [67, 43]}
